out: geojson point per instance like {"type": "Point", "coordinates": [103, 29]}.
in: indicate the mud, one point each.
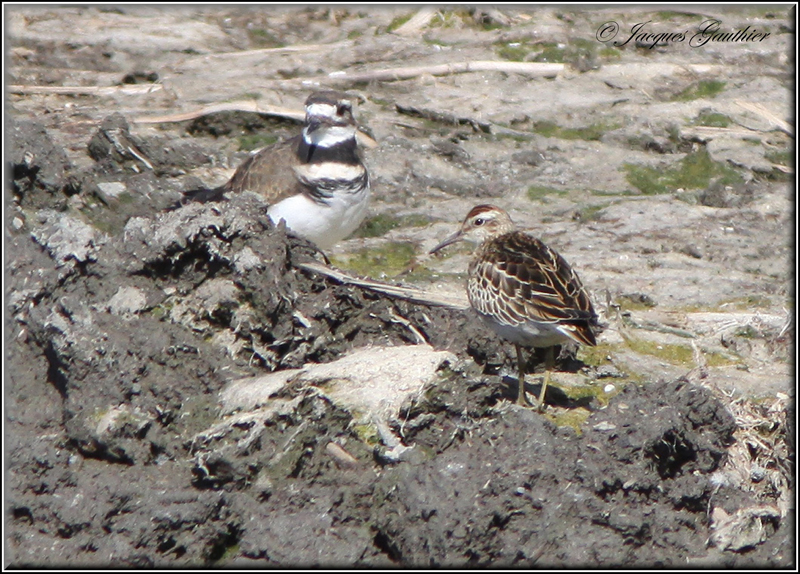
{"type": "Point", "coordinates": [125, 322]}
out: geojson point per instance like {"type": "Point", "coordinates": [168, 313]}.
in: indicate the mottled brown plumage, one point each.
{"type": "Point", "coordinates": [523, 289]}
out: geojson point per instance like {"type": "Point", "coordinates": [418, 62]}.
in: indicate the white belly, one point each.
{"type": "Point", "coordinates": [530, 334]}
{"type": "Point", "coordinates": [324, 224]}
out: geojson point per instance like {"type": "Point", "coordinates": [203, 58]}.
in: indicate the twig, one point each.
{"type": "Point", "coordinates": [407, 293]}
{"type": "Point", "coordinates": [127, 89]}
{"type": "Point", "coordinates": [706, 133]}
{"type": "Point", "coordinates": [282, 50]}
{"type": "Point", "coordinates": [238, 106]}
{"type": "Point", "coordinates": [243, 106]}
{"type": "Point", "coordinates": [419, 337]}
{"type": "Point", "coordinates": [765, 114]}
{"type": "Point", "coordinates": [534, 69]}
{"type": "Point", "coordinates": [444, 117]}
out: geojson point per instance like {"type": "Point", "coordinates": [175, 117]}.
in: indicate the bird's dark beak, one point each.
{"type": "Point", "coordinates": [457, 236]}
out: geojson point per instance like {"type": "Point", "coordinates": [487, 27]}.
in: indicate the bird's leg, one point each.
{"type": "Point", "coordinates": [522, 400]}
{"type": "Point", "coordinates": [549, 363]}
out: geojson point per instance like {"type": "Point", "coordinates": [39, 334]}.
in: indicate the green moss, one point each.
{"type": "Point", "coordinates": [460, 247]}
{"type": "Point", "coordinates": [675, 354]}
{"type": "Point", "coordinates": [380, 224]}
{"type": "Point", "coordinates": [368, 434]}
{"type": "Point", "coordinates": [712, 119]}
{"type": "Point", "coordinates": [592, 132]}
{"type": "Point", "coordinates": [588, 212]}
{"type": "Point", "coordinates": [249, 142]}
{"type": "Point", "coordinates": [354, 34]}
{"type": "Point", "coordinates": [422, 274]}
{"type": "Point", "coordinates": [781, 157]}
{"type": "Point", "coordinates": [513, 51]}
{"type": "Point", "coordinates": [540, 192]}
{"type": "Point", "coordinates": [702, 89]}
{"type": "Point", "coordinates": [694, 171]}
{"type": "Point", "coordinates": [554, 53]}
{"type": "Point", "coordinates": [608, 53]}
{"type": "Point", "coordinates": [609, 193]}
{"type": "Point", "coordinates": [597, 355]}
{"type": "Point", "coordinates": [571, 52]}
{"type": "Point", "coordinates": [574, 51]}
{"type": "Point", "coordinates": [386, 260]}
{"type": "Point", "coordinates": [263, 39]}
{"type": "Point", "coordinates": [460, 18]}
{"type": "Point", "coordinates": [715, 359]}
{"type": "Point", "coordinates": [251, 96]}
{"type": "Point", "coordinates": [124, 198]}
{"type": "Point", "coordinates": [746, 303]}
{"type": "Point", "coordinates": [585, 391]}
{"type": "Point", "coordinates": [435, 42]}
{"type": "Point", "coordinates": [516, 137]}
{"type": "Point", "coordinates": [398, 21]}
{"type": "Point", "coordinates": [634, 303]}
{"type": "Point", "coordinates": [382, 102]}
{"type": "Point", "coordinates": [573, 418]}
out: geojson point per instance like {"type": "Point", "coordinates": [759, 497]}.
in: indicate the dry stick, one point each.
{"type": "Point", "coordinates": [708, 132]}
{"type": "Point", "coordinates": [764, 113]}
{"type": "Point", "coordinates": [243, 106]}
{"type": "Point", "coordinates": [240, 106]}
{"type": "Point", "coordinates": [444, 117]}
{"type": "Point", "coordinates": [128, 89]}
{"type": "Point", "coordinates": [535, 69]}
{"type": "Point", "coordinates": [406, 293]}
{"type": "Point", "coordinates": [283, 50]}
{"type": "Point", "coordinates": [452, 119]}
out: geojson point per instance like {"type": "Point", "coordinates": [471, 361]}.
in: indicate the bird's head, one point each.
{"type": "Point", "coordinates": [483, 222]}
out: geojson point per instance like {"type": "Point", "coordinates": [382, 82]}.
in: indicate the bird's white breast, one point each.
{"type": "Point", "coordinates": [324, 224]}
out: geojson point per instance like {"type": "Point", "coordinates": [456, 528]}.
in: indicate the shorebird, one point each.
{"type": "Point", "coordinates": [316, 181]}
{"type": "Point", "coordinates": [526, 292]}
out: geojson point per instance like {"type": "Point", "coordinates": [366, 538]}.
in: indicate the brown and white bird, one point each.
{"type": "Point", "coordinates": [526, 292]}
{"type": "Point", "coordinates": [316, 181]}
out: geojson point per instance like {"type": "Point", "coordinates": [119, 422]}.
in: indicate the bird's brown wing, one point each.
{"type": "Point", "coordinates": [270, 172]}
{"type": "Point", "coordinates": [519, 278]}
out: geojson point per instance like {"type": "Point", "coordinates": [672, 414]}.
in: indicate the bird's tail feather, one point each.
{"type": "Point", "coordinates": [200, 195]}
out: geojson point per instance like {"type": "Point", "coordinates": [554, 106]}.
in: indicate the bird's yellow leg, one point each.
{"type": "Point", "coordinates": [549, 363]}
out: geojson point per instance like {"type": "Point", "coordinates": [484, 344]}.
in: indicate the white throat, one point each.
{"type": "Point", "coordinates": [329, 137]}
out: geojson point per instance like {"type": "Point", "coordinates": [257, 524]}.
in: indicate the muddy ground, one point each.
{"type": "Point", "coordinates": [167, 398]}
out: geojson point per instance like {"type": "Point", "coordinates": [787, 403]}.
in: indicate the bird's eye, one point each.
{"type": "Point", "coordinates": [480, 221]}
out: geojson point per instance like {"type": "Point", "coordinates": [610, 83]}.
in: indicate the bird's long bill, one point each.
{"type": "Point", "coordinates": [457, 236]}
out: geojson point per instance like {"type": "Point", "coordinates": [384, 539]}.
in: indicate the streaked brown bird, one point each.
{"type": "Point", "coordinates": [525, 291]}
{"type": "Point", "coordinates": [316, 181]}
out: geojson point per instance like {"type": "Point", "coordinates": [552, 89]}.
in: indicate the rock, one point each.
{"type": "Point", "coordinates": [747, 528]}
{"type": "Point", "coordinates": [39, 167]}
